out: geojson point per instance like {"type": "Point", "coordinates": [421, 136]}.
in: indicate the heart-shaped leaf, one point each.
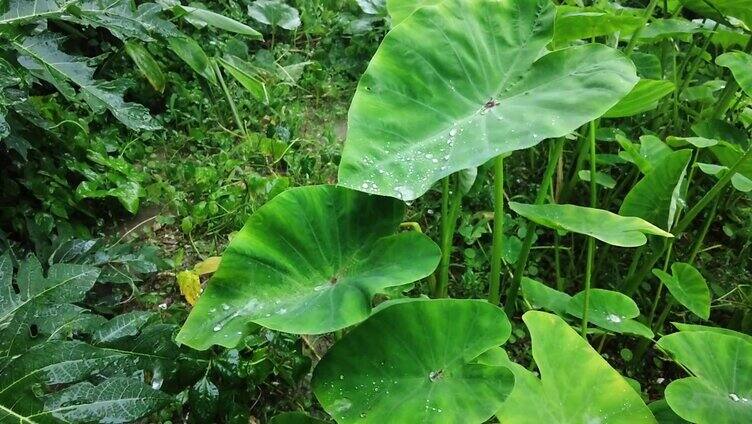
{"type": "Point", "coordinates": [274, 13]}
{"type": "Point", "coordinates": [643, 97]}
{"type": "Point", "coordinates": [610, 310]}
{"type": "Point", "coordinates": [720, 330]}
{"type": "Point", "coordinates": [461, 82]}
{"type": "Point", "coordinates": [688, 287]}
{"type": "Point", "coordinates": [576, 386]}
{"type": "Point", "coordinates": [740, 64]}
{"type": "Point", "coordinates": [604, 225]}
{"type": "Point", "coordinates": [540, 295]}
{"type": "Point", "coordinates": [720, 390]}
{"type": "Point", "coordinates": [308, 262]}
{"type": "Point", "coordinates": [584, 23]}
{"type": "Point", "coordinates": [414, 362]}
{"type": "Point", "coordinates": [720, 10]}
{"type": "Point", "coordinates": [401, 9]}
{"type": "Point", "coordinates": [656, 197]}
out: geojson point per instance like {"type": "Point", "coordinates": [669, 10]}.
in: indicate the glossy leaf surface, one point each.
{"type": "Point", "coordinates": [611, 310]}
{"type": "Point", "coordinates": [308, 262]}
{"type": "Point", "coordinates": [473, 81]}
{"type": "Point", "coordinates": [603, 225]}
{"type": "Point", "coordinates": [576, 385]}
{"type": "Point", "coordinates": [656, 197]}
{"type": "Point", "coordinates": [413, 362]}
{"type": "Point", "coordinates": [688, 287]}
{"type": "Point", "coordinates": [720, 390]}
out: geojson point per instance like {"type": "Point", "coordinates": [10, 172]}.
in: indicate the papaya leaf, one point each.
{"type": "Point", "coordinates": [41, 55]}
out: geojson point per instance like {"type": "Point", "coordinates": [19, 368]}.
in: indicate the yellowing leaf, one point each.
{"type": "Point", "coordinates": [190, 286]}
{"type": "Point", "coordinates": [207, 266]}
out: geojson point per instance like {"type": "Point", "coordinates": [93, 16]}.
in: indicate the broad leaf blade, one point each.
{"type": "Point", "coordinates": [576, 386]}
{"type": "Point", "coordinates": [643, 97]}
{"type": "Point", "coordinates": [604, 225]}
{"type": "Point", "coordinates": [473, 88]}
{"type": "Point", "coordinates": [41, 55]}
{"type": "Point", "coordinates": [655, 198]}
{"type": "Point", "coordinates": [308, 262]}
{"type": "Point", "coordinates": [412, 362]}
{"type": "Point", "coordinates": [720, 390]}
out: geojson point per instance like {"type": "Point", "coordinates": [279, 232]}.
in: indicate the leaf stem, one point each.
{"type": "Point", "coordinates": [234, 109]}
{"type": "Point", "coordinates": [638, 31]}
{"type": "Point", "coordinates": [553, 159]}
{"type": "Point", "coordinates": [450, 207]}
{"type": "Point", "coordinates": [494, 278]}
{"type": "Point", "coordinates": [591, 240]}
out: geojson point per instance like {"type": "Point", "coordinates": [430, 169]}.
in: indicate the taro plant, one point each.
{"type": "Point", "coordinates": [458, 86]}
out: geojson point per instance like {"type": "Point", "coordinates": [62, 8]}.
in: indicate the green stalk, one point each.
{"type": "Point", "coordinates": [591, 240]}
{"type": "Point", "coordinates": [450, 207]}
{"type": "Point", "coordinates": [494, 280]}
{"type": "Point", "coordinates": [638, 31]}
{"type": "Point", "coordinates": [553, 159]}
{"type": "Point", "coordinates": [727, 96]}
{"type": "Point", "coordinates": [633, 282]}
{"type": "Point", "coordinates": [660, 284]}
{"type": "Point", "coordinates": [234, 110]}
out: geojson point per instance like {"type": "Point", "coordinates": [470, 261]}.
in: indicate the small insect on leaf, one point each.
{"type": "Point", "coordinates": [190, 286]}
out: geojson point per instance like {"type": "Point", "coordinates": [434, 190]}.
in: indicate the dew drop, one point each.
{"type": "Point", "coordinates": [217, 327]}
{"type": "Point", "coordinates": [734, 397]}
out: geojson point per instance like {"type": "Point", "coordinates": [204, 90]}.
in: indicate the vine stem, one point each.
{"type": "Point", "coordinates": [553, 159]}
{"type": "Point", "coordinates": [591, 240]}
{"type": "Point", "coordinates": [494, 281]}
{"type": "Point", "coordinates": [450, 208]}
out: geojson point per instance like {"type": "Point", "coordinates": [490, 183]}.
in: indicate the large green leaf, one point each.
{"type": "Point", "coordinates": [611, 310]}
{"type": "Point", "coordinates": [146, 63]}
{"type": "Point", "coordinates": [401, 9]}
{"type": "Point", "coordinates": [720, 9]}
{"type": "Point", "coordinates": [720, 390]}
{"type": "Point", "coordinates": [220, 21]}
{"type": "Point", "coordinates": [39, 299]}
{"type": "Point", "coordinates": [41, 55]}
{"type": "Point", "coordinates": [643, 97]}
{"type": "Point", "coordinates": [740, 64]}
{"type": "Point", "coordinates": [695, 327]}
{"type": "Point", "coordinates": [540, 295]}
{"type": "Point", "coordinates": [193, 55]}
{"type": "Point", "coordinates": [604, 225]}
{"type": "Point", "coordinates": [584, 23]}
{"type": "Point", "coordinates": [116, 400]}
{"type": "Point", "coordinates": [274, 13]}
{"type": "Point", "coordinates": [688, 287]}
{"type": "Point", "coordinates": [470, 77]}
{"type": "Point", "coordinates": [738, 181]}
{"type": "Point", "coordinates": [308, 262]}
{"type": "Point", "coordinates": [576, 385]}
{"type": "Point", "coordinates": [656, 197]}
{"type": "Point", "coordinates": [25, 11]}
{"type": "Point", "coordinates": [413, 362]}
